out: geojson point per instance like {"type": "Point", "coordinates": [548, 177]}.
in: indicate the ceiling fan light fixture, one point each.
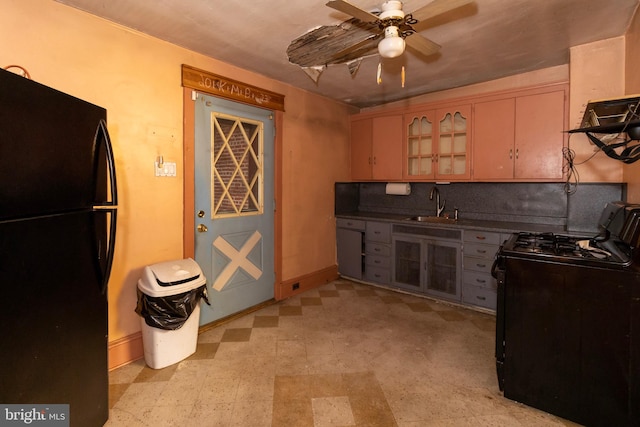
{"type": "Point", "coordinates": [392, 45]}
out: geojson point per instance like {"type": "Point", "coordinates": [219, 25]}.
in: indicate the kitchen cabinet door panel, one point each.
{"type": "Point", "coordinates": [520, 137]}
{"type": "Point", "coordinates": [349, 248]}
{"type": "Point", "coordinates": [437, 144]}
{"type": "Point", "coordinates": [453, 135]}
{"type": "Point", "coordinates": [539, 136]}
{"type": "Point", "coordinates": [387, 148]}
{"type": "Point", "coordinates": [407, 264]}
{"type": "Point", "coordinates": [419, 148]}
{"type": "Point", "coordinates": [361, 134]}
{"type": "Point", "coordinates": [376, 148]}
{"type": "Point", "coordinates": [443, 267]}
{"type": "Point", "coordinates": [494, 133]}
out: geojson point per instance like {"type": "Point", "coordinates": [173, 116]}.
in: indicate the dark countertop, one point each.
{"type": "Point", "coordinates": [493, 226]}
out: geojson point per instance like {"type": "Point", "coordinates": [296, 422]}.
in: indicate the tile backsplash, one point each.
{"type": "Point", "coordinates": [539, 203]}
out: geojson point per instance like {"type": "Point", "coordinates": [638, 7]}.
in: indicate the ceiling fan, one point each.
{"type": "Point", "coordinates": [400, 29]}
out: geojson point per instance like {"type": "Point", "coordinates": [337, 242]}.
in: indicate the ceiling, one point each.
{"type": "Point", "coordinates": [485, 40]}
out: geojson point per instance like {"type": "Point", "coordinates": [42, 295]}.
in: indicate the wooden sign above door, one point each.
{"type": "Point", "coordinates": [234, 90]}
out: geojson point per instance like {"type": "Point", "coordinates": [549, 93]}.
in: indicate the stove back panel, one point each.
{"type": "Point", "coordinates": [585, 206]}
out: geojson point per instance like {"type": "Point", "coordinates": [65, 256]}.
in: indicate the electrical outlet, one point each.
{"type": "Point", "coordinates": [295, 286]}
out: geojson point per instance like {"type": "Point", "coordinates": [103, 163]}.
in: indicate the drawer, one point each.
{"type": "Point", "coordinates": [482, 265]}
{"type": "Point", "coordinates": [377, 249]}
{"type": "Point", "coordinates": [354, 224]}
{"type": "Point", "coordinates": [483, 280]}
{"type": "Point", "coordinates": [378, 261]}
{"type": "Point", "coordinates": [377, 274]}
{"type": "Point", "coordinates": [480, 250]}
{"type": "Point", "coordinates": [378, 232]}
{"type": "Point", "coordinates": [482, 237]}
{"type": "Point", "coordinates": [481, 297]}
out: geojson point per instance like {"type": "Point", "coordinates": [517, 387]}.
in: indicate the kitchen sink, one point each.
{"type": "Point", "coordinates": [436, 219]}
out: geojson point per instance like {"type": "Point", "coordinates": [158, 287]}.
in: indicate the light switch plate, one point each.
{"type": "Point", "coordinates": [167, 169]}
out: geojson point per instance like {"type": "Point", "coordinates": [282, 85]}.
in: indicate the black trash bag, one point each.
{"type": "Point", "coordinates": [169, 312]}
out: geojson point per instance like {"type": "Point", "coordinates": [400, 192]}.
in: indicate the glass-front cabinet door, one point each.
{"type": "Point", "coordinates": [443, 262]}
{"type": "Point", "coordinates": [453, 142]}
{"type": "Point", "coordinates": [407, 263]}
{"type": "Point", "coordinates": [437, 144]}
{"type": "Point", "coordinates": [427, 266]}
{"type": "Point", "coordinates": [421, 155]}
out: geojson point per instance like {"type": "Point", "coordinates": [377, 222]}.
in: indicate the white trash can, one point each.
{"type": "Point", "coordinates": [161, 282]}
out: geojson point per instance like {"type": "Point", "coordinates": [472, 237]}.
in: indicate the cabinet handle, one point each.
{"type": "Point", "coordinates": [481, 265]}
{"type": "Point", "coordinates": [481, 281]}
{"type": "Point", "coordinates": [376, 249]}
{"type": "Point", "coordinates": [480, 237]}
{"type": "Point", "coordinates": [510, 153]}
{"type": "Point", "coordinates": [369, 160]}
{"type": "Point", "coordinates": [481, 298]}
{"type": "Point", "coordinates": [377, 276]}
{"type": "Point", "coordinates": [481, 251]}
{"type": "Point", "coordinates": [517, 152]}
{"type": "Point", "coordinates": [376, 262]}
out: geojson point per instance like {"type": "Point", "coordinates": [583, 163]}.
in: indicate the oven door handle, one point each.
{"type": "Point", "coordinates": [498, 262]}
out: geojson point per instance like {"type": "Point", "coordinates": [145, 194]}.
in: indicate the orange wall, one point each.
{"type": "Point", "coordinates": [591, 79]}
{"type": "Point", "coordinates": [137, 78]}
{"type": "Point", "coordinates": [632, 86]}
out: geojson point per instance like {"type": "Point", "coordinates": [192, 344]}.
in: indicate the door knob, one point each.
{"type": "Point", "coordinates": [202, 228]}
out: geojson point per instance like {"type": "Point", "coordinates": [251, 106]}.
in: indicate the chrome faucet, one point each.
{"type": "Point", "coordinates": [439, 208]}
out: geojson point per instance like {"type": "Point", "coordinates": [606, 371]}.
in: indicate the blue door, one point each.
{"type": "Point", "coordinates": [234, 206]}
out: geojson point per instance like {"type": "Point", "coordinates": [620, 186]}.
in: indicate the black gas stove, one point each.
{"type": "Point", "coordinates": [568, 321]}
{"type": "Point", "coordinates": [597, 251]}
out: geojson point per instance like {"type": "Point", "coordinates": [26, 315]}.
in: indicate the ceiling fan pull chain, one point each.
{"type": "Point", "coordinates": [379, 78]}
{"type": "Point", "coordinates": [402, 74]}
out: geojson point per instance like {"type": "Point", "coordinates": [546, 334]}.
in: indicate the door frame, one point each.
{"type": "Point", "coordinates": [189, 185]}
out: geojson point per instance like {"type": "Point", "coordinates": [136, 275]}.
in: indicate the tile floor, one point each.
{"type": "Point", "coordinates": [345, 354]}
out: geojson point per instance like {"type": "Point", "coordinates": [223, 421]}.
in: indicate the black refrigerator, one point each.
{"type": "Point", "coordinates": [57, 234]}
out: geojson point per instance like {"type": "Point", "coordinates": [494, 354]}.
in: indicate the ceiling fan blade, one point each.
{"type": "Point", "coordinates": [424, 46]}
{"type": "Point", "coordinates": [437, 7]}
{"type": "Point", "coordinates": [349, 9]}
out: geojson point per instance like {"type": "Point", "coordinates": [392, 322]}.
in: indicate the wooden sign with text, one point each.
{"type": "Point", "coordinates": [223, 87]}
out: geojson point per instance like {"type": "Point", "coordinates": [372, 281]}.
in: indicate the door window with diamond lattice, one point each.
{"type": "Point", "coordinates": [237, 166]}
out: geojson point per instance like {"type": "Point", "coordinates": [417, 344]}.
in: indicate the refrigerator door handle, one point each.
{"type": "Point", "coordinates": [111, 163]}
{"type": "Point", "coordinates": [110, 206]}
{"type": "Point", "coordinates": [110, 249]}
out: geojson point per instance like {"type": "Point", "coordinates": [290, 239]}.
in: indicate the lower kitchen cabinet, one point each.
{"type": "Point", "coordinates": [377, 256]}
{"type": "Point", "coordinates": [428, 265]}
{"type": "Point", "coordinates": [442, 266]}
{"type": "Point", "coordinates": [478, 286]}
{"type": "Point", "coordinates": [350, 242]}
{"type": "Point", "coordinates": [451, 264]}
{"type": "Point", "coordinates": [407, 253]}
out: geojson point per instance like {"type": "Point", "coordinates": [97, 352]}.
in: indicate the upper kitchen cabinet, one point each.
{"type": "Point", "coordinates": [520, 137]}
{"type": "Point", "coordinates": [376, 148]}
{"type": "Point", "coordinates": [420, 146]}
{"type": "Point", "coordinates": [437, 144]}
